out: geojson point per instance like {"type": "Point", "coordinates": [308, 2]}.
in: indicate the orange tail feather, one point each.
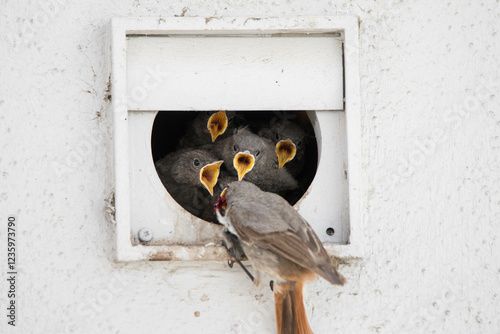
{"type": "Point", "coordinates": [290, 312]}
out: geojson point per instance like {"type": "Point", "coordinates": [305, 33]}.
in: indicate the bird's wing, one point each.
{"type": "Point", "coordinates": [272, 224]}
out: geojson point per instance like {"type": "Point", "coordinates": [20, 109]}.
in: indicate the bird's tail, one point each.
{"type": "Point", "coordinates": [290, 312]}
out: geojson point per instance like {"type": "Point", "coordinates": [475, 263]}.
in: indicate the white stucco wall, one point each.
{"type": "Point", "coordinates": [431, 173]}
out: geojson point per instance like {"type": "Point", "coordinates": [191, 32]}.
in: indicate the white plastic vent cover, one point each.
{"type": "Point", "coordinates": [234, 64]}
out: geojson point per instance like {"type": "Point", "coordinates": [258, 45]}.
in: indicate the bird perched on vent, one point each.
{"type": "Point", "coordinates": [207, 127]}
{"type": "Point", "coordinates": [190, 175]}
{"type": "Point", "coordinates": [254, 159]}
{"type": "Point", "coordinates": [289, 138]}
{"type": "Point", "coordinates": [279, 243]}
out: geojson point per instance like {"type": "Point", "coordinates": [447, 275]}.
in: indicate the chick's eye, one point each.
{"type": "Point", "coordinates": [299, 143]}
{"type": "Point", "coordinates": [277, 136]}
{"type": "Point", "coordinates": [235, 148]}
{"type": "Point", "coordinates": [257, 153]}
{"type": "Point", "coordinates": [208, 113]}
{"type": "Point", "coordinates": [196, 162]}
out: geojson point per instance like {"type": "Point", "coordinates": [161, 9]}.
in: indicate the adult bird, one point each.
{"type": "Point", "coordinates": [190, 175]}
{"type": "Point", "coordinates": [279, 243]}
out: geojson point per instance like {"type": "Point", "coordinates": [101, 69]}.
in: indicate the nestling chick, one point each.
{"type": "Point", "coordinates": [254, 159]}
{"type": "Point", "coordinates": [207, 127]}
{"type": "Point", "coordinates": [289, 138]}
{"type": "Point", "coordinates": [190, 175]}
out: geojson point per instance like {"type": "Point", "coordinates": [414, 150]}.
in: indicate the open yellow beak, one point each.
{"type": "Point", "coordinates": [243, 162]}
{"type": "Point", "coordinates": [217, 124]}
{"type": "Point", "coordinates": [209, 175]}
{"type": "Point", "coordinates": [285, 150]}
{"type": "Point", "coordinates": [223, 196]}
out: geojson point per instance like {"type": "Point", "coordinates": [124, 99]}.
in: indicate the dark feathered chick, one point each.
{"type": "Point", "coordinates": [190, 175]}
{"type": "Point", "coordinates": [207, 127]}
{"type": "Point", "coordinates": [255, 160]}
{"type": "Point", "coordinates": [290, 140]}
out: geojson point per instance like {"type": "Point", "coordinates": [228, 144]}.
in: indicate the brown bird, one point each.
{"type": "Point", "coordinates": [279, 243]}
{"type": "Point", "coordinates": [255, 160]}
{"type": "Point", "coordinates": [190, 176]}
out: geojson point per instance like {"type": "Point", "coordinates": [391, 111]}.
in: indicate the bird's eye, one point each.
{"type": "Point", "coordinates": [299, 143]}
{"type": "Point", "coordinates": [235, 148]}
{"type": "Point", "coordinates": [196, 162]}
{"type": "Point", "coordinates": [277, 136]}
{"type": "Point", "coordinates": [208, 113]}
{"type": "Point", "coordinates": [257, 153]}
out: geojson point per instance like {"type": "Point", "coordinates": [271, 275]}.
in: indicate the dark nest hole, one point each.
{"type": "Point", "coordinates": [170, 126]}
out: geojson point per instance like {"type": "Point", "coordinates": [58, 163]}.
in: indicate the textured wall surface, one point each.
{"type": "Point", "coordinates": [430, 80]}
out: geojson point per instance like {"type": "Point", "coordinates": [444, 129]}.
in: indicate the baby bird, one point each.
{"type": "Point", "coordinates": [289, 139]}
{"type": "Point", "coordinates": [207, 127]}
{"type": "Point", "coordinates": [254, 159]}
{"type": "Point", "coordinates": [190, 175]}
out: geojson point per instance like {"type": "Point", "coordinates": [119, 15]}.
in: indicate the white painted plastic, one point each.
{"type": "Point", "coordinates": [246, 72]}
{"type": "Point", "coordinates": [141, 200]}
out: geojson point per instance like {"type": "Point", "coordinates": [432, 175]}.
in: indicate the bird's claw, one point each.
{"type": "Point", "coordinates": [230, 252]}
{"type": "Point", "coordinates": [233, 259]}
{"type": "Point", "coordinates": [271, 285]}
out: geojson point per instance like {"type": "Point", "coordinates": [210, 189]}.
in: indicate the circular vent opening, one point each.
{"type": "Point", "coordinates": [173, 135]}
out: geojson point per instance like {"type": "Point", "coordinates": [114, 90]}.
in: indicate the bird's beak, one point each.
{"type": "Point", "coordinates": [209, 175]}
{"type": "Point", "coordinates": [221, 201]}
{"type": "Point", "coordinates": [243, 163]}
{"type": "Point", "coordinates": [285, 150]}
{"type": "Point", "coordinates": [217, 124]}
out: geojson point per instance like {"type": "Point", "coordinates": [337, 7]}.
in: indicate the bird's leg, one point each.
{"type": "Point", "coordinates": [234, 246]}
{"type": "Point", "coordinates": [233, 259]}
{"type": "Point", "coordinates": [229, 246]}
{"type": "Point", "coordinates": [230, 252]}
